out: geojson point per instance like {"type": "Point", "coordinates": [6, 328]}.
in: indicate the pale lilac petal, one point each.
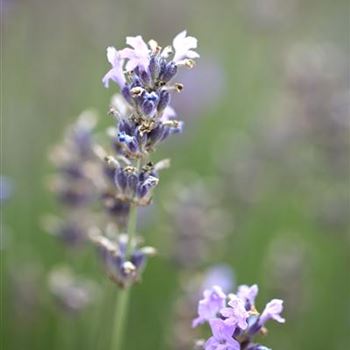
{"type": "Point", "coordinates": [220, 329]}
{"type": "Point", "coordinates": [137, 43]}
{"type": "Point", "coordinates": [138, 55]}
{"type": "Point", "coordinates": [183, 47]}
{"type": "Point", "coordinates": [222, 337]}
{"type": "Point", "coordinates": [116, 73]}
{"type": "Point", "coordinates": [272, 311]}
{"type": "Point", "coordinates": [248, 294]}
{"type": "Point", "coordinates": [112, 55]}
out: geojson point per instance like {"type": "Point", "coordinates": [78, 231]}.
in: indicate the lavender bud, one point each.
{"type": "Point", "coordinates": [146, 186]}
{"type": "Point", "coordinates": [148, 107]}
{"type": "Point", "coordinates": [127, 95]}
{"type": "Point", "coordinates": [155, 135]}
{"type": "Point", "coordinates": [120, 179]}
{"type": "Point", "coordinates": [163, 100]}
{"type": "Point", "coordinates": [146, 79]}
{"type": "Point", "coordinates": [162, 65]}
{"type": "Point", "coordinates": [154, 67]}
{"type": "Point", "coordinates": [138, 258]}
{"type": "Point", "coordinates": [132, 182]}
{"type": "Point", "coordinates": [169, 72]}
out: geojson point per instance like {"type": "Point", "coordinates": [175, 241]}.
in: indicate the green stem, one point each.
{"type": "Point", "coordinates": [120, 315]}
{"type": "Point", "coordinates": [120, 319]}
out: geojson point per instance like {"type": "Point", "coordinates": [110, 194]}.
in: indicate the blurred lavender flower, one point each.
{"type": "Point", "coordinates": [196, 82]}
{"type": "Point", "coordinates": [72, 231]}
{"type": "Point", "coordinates": [272, 14]}
{"type": "Point", "coordinates": [220, 275]}
{"type": "Point", "coordinates": [6, 188]}
{"type": "Point", "coordinates": [122, 267]}
{"type": "Point", "coordinates": [195, 215]}
{"type": "Point", "coordinates": [72, 293]}
{"type": "Point", "coordinates": [286, 270]}
{"type": "Point", "coordinates": [235, 323]}
{"type": "Point", "coordinates": [305, 137]}
{"type": "Point", "coordinates": [76, 182]}
{"type": "Point", "coordinates": [75, 163]}
{"type": "Point", "coordinates": [24, 282]}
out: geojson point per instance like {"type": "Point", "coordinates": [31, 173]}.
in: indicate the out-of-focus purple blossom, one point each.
{"type": "Point", "coordinates": [222, 336]}
{"type": "Point", "coordinates": [310, 119]}
{"type": "Point", "coordinates": [77, 169]}
{"type": "Point", "coordinates": [205, 84]}
{"type": "Point", "coordinates": [6, 188]}
{"type": "Point", "coordinates": [287, 271]}
{"type": "Point", "coordinates": [219, 275]}
{"type": "Point", "coordinates": [271, 14]}
{"type": "Point", "coordinates": [72, 230]}
{"type": "Point", "coordinates": [123, 267]}
{"type": "Point", "coordinates": [213, 301]}
{"type": "Point", "coordinates": [195, 213]}
{"type": "Point", "coordinates": [73, 293]}
{"type": "Point", "coordinates": [24, 283]}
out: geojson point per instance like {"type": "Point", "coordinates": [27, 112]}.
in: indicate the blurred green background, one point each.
{"type": "Point", "coordinates": [291, 239]}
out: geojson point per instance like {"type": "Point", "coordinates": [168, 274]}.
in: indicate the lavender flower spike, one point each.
{"type": "Point", "coordinates": [214, 300]}
{"type": "Point", "coordinates": [222, 337]}
{"type": "Point", "coordinates": [236, 314]}
{"type": "Point", "coordinates": [272, 311]}
{"type": "Point", "coordinates": [116, 73]}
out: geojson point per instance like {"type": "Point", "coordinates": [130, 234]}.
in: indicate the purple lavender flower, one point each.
{"type": "Point", "coordinates": [272, 311]}
{"type": "Point", "coordinates": [236, 325]}
{"type": "Point", "coordinates": [209, 307]}
{"type": "Point", "coordinates": [124, 268]}
{"type": "Point", "coordinates": [71, 292]}
{"type": "Point", "coordinates": [236, 314]}
{"type": "Point", "coordinates": [222, 338]}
